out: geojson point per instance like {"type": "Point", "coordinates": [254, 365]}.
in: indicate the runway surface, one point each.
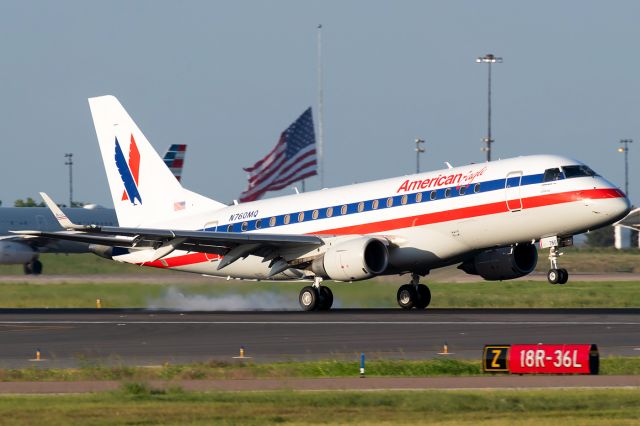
{"type": "Point", "coordinates": [72, 337]}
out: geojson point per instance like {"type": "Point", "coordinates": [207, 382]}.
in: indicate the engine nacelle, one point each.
{"type": "Point", "coordinates": [353, 260]}
{"type": "Point", "coordinates": [504, 263]}
{"type": "Point", "coordinates": [13, 253]}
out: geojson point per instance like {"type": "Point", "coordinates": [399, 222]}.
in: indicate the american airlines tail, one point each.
{"type": "Point", "coordinates": [144, 190]}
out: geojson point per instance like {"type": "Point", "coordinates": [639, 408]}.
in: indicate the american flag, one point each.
{"type": "Point", "coordinates": [292, 159]}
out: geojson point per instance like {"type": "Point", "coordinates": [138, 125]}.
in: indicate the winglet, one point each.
{"type": "Point", "coordinates": [62, 218]}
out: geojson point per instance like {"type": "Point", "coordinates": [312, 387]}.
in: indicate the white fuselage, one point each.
{"type": "Point", "coordinates": [430, 219]}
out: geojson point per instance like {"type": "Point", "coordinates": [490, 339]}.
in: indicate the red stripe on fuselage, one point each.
{"type": "Point", "coordinates": [423, 219]}
{"type": "Point", "coordinates": [186, 259]}
{"type": "Point", "coordinates": [470, 212]}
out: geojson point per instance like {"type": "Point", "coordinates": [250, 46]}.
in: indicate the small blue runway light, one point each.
{"type": "Point", "coordinates": [362, 364]}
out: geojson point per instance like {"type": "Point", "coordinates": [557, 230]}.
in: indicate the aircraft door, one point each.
{"type": "Point", "coordinates": [512, 191]}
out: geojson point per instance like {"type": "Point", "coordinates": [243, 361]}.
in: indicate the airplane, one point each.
{"type": "Point", "coordinates": [487, 218]}
{"type": "Point", "coordinates": [18, 250]}
{"type": "Point", "coordinates": [630, 221]}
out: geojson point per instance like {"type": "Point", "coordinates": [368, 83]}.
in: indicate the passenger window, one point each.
{"type": "Point", "coordinates": [403, 200]}
{"type": "Point", "coordinates": [329, 211]}
{"type": "Point", "coordinates": [419, 197]}
{"type": "Point", "coordinates": [343, 209]}
{"type": "Point", "coordinates": [476, 188]}
{"type": "Point", "coordinates": [447, 193]}
{"type": "Point", "coordinates": [360, 207]}
{"type": "Point", "coordinates": [551, 174]}
{"type": "Point", "coordinates": [272, 221]}
{"type": "Point", "coordinates": [258, 223]}
{"type": "Point", "coordinates": [315, 214]}
{"type": "Point", "coordinates": [433, 195]}
{"type": "Point", "coordinates": [390, 202]}
{"type": "Point", "coordinates": [374, 204]}
{"type": "Point", "coordinates": [230, 228]}
{"type": "Point", "coordinates": [244, 226]}
{"type": "Point", "coordinates": [462, 190]}
{"type": "Point", "coordinates": [287, 219]}
{"type": "Point", "coordinates": [301, 217]}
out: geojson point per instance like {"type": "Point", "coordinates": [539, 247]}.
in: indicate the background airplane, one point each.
{"type": "Point", "coordinates": [18, 250]}
{"type": "Point", "coordinates": [484, 217]}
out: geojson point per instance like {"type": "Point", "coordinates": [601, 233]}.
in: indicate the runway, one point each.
{"type": "Point", "coordinates": [73, 337]}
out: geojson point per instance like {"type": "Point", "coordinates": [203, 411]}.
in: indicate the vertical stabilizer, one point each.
{"type": "Point", "coordinates": [143, 189]}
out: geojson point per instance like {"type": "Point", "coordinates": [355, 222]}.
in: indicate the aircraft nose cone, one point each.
{"type": "Point", "coordinates": [613, 208]}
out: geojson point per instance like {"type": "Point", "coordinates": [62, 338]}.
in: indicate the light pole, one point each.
{"type": "Point", "coordinates": [488, 59]}
{"type": "Point", "coordinates": [625, 150]}
{"type": "Point", "coordinates": [69, 162]}
{"type": "Point", "coordinates": [419, 150]}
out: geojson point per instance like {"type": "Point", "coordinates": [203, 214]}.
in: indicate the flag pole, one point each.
{"type": "Point", "coordinates": [320, 96]}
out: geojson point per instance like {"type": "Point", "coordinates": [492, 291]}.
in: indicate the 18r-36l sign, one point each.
{"type": "Point", "coordinates": [541, 359]}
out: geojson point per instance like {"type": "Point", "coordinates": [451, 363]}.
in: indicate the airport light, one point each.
{"type": "Point", "coordinates": [488, 59]}
{"type": "Point", "coordinates": [419, 150]}
{"type": "Point", "coordinates": [69, 162]}
{"type": "Point", "coordinates": [625, 149]}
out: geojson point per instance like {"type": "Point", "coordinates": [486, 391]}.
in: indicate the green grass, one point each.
{"type": "Point", "coordinates": [211, 295]}
{"type": "Point", "coordinates": [574, 259]}
{"type": "Point", "coordinates": [79, 264]}
{"type": "Point", "coordinates": [141, 405]}
{"type": "Point", "coordinates": [594, 260]}
{"type": "Point", "coordinates": [313, 369]}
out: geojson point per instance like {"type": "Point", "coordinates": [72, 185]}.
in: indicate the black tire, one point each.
{"type": "Point", "coordinates": [553, 276]}
{"type": "Point", "coordinates": [326, 299]}
{"type": "Point", "coordinates": [36, 267]}
{"type": "Point", "coordinates": [309, 298]}
{"type": "Point", "coordinates": [407, 296]}
{"type": "Point", "coordinates": [564, 276]}
{"type": "Point", "coordinates": [424, 296]}
{"type": "Point", "coordinates": [27, 269]}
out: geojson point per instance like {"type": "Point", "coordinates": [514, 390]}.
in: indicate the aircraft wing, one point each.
{"type": "Point", "coordinates": [632, 220]}
{"type": "Point", "coordinates": [148, 244]}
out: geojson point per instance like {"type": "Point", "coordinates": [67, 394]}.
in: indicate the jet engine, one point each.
{"type": "Point", "coordinates": [352, 260]}
{"type": "Point", "coordinates": [503, 263]}
{"type": "Point", "coordinates": [12, 253]}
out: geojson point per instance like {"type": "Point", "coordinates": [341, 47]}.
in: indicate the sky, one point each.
{"type": "Point", "coordinates": [227, 77]}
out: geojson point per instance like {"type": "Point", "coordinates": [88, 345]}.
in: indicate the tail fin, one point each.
{"type": "Point", "coordinates": [143, 189]}
{"type": "Point", "coordinates": [174, 159]}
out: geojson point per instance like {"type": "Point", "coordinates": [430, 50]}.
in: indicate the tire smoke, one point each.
{"type": "Point", "coordinates": [258, 301]}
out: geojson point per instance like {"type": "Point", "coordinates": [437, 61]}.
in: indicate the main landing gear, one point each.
{"type": "Point", "coordinates": [33, 268]}
{"type": "Point", "coordinates": [414, 295]}
{"type": "Point", "coordinates": [556, 275]}
{"type": "Point", "coordinates": [316, 297]}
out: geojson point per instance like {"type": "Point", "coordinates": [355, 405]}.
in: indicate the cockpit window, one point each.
{"type": "Point", "coordinates": [552, 174]}
{"type": "Point", "coordinates": [577, 171]}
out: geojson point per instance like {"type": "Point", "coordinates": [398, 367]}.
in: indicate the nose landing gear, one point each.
{"type": "Point", "coordinates": [556, 275]}
{"type": "Point", "coordinates": [414, 295]}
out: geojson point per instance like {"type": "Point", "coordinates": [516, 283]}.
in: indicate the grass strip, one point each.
{"type": "Point", "coordinates": [313, 369]}
{"type": "Point", "coordinates": [222, 295]}
{"type": "Point", "coordinates": [589, 260]}
{"type": "Point", "coordinates": [137, 404]}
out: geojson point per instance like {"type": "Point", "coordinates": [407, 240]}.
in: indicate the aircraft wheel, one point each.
{"type": "Point", "coordinates": [407, 296]}
{"type": "Point", "coordinates": [553, 276]}
{"type": "Point", "coordinates": [424, 296]}
{"type": "Point", "coordinates": [36, 267]}
{"type": "Point", "coordinates": [326, 299]}
{"type": "Point", "coordinates": [564, 276]}
{"type": "Point", "coordinates": [309, 298]}
{"type": "Point", "coordinates": [27, 268]}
